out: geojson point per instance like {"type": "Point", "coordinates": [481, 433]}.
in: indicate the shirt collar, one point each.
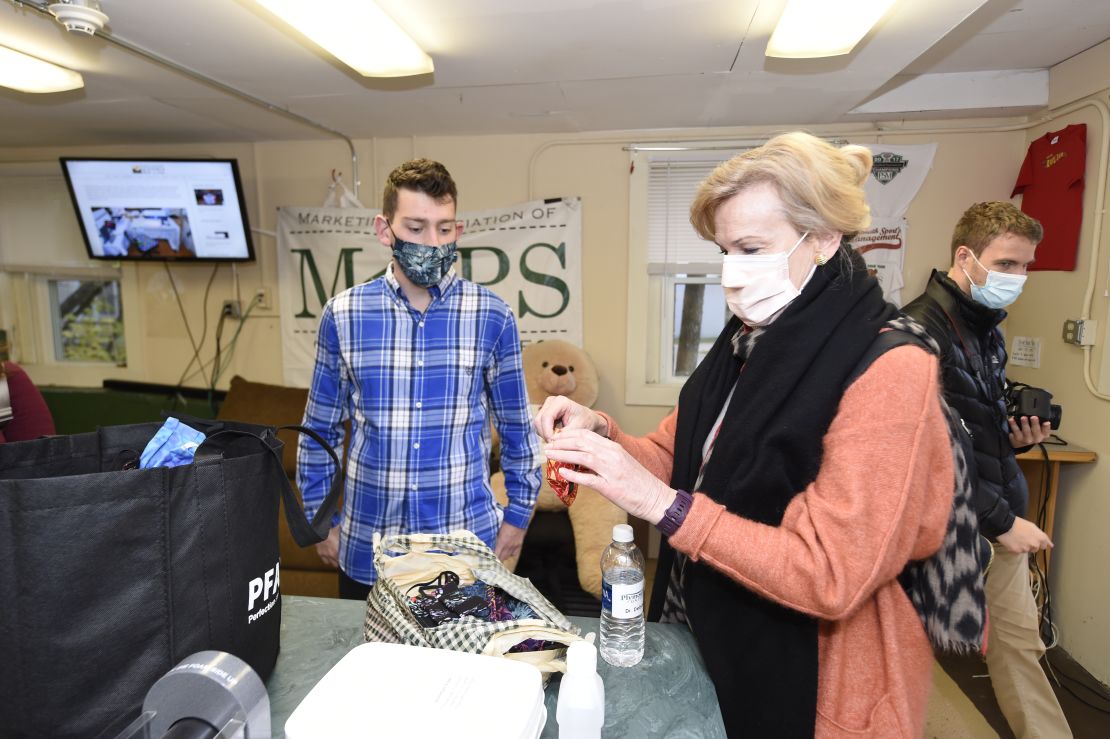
{"type": "Point", "coordinates": [437, 290]}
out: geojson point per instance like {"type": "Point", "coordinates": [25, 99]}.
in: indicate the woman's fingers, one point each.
{"type": "Point", "coordinates": [550, 415]}
{"type": "Point", "coordinates": [560, 411]}
{"type": "Point", "coordinates": [572, 456]}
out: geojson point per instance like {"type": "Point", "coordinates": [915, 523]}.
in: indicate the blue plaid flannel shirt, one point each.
{"type": "Point", "coordinates": [419, 391]}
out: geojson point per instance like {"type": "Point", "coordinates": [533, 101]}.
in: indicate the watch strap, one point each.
{"type": "Point", "coordinates": [676, 514]}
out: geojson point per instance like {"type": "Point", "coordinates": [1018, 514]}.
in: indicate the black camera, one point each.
{"type": "Point", "coordinates": [1026, 400]}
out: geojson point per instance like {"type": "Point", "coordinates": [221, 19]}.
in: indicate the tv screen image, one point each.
{"type": "Point", "coordinates": [209, 197]}
{"type": "Point", "coordinates": [160, 209]}
{"type": "Point", "coordinates": [144, 232]}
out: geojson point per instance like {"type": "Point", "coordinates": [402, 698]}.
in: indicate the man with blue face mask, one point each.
{"type": "Point", "coordinates": [992, 247]}
{"type": "Point", "coordinates": [419, 361]}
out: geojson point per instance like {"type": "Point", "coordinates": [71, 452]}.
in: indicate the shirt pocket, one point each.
{"type": "Point", "coordinates": [470, 378]}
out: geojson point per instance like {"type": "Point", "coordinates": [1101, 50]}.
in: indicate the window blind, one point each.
{"type": "Point", "coordinates": [673, 180]}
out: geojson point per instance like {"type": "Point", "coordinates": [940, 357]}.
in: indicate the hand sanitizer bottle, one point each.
{"type": "Point", "coordinates": [581, 706]}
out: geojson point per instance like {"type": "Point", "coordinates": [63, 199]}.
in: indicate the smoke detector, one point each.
{"type": "Point", "coordinates": [79, 16]}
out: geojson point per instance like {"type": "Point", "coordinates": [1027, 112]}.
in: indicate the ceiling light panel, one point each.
{"type": "Point", "coordinates": [357, 33]}
{"type": "Point", "coordinates": [26, 73]}
{"type": "Point", "coordinates": [810, 29]}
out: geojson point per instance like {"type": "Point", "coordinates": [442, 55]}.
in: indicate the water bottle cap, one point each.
{"type": "Point", "coordinates": [581, 657]}
{"type": "Point", "coordinates": [622, 532]}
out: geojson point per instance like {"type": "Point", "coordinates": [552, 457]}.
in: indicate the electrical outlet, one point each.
{"type": "Point", "coordinates": [262, 298]}
{"type": "Point", "coordinates": [1071, 331]}
{"type": "Point", "coordinates": [232, 309]}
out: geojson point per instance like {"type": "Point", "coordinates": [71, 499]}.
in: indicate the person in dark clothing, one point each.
{"type": "Point", "coordinates": [992, 247]}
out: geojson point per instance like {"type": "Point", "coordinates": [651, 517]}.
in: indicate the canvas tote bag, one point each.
{"type": "Point", "coordinates": [110, 576]}
{"type": "Point", "coordinates": [404, 560]}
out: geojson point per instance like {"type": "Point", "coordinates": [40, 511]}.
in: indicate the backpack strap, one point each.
{"type": "Point", "coordinates": [946, 588]}
{"type": "Point", "coordinates": [884, 342]}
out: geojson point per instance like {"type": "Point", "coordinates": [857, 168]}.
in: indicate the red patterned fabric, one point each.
{"type": "Point", "coordinates": [563, 488]}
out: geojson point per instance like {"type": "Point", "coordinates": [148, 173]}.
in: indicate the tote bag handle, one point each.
{"type": "Point", "coordinates": [305, 532]}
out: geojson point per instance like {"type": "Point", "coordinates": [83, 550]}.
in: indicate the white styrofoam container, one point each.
{"type": "Point", "coordinates": [395, 690]}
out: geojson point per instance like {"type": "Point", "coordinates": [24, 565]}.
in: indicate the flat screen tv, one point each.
{"type": "Point", "coordinates": [160, 209]}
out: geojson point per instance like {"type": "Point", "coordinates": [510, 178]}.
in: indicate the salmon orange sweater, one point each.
{"type": "Point", "coordinates": [881, 498]}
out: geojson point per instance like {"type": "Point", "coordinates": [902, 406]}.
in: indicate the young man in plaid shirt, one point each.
{"type": "Point", "coordinates": [419, 361]}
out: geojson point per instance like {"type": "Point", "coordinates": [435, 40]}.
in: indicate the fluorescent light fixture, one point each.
{"type": "Point", "coordinates": [357, 33]}
{"type": "Point", "coordinates": [25, 73]}
{"type": "Point", "coordinates": [817, 28]}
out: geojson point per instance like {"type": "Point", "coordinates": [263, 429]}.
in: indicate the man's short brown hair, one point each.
{"type": "Point", "coordinates": [418, 175]}
{"type": "Point", "coordinates": [982, 223]}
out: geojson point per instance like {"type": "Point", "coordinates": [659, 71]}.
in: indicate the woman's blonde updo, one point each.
{"type": "Point", "coordinates": [821, 186]}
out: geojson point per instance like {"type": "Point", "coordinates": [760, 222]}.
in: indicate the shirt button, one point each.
{"type": "Point", "coordinates": [421, 324]}
{"type": "Point", "coordinates": [419, 404]}
{"type": "Point", "coordinates": [416, 445]}
{"type": "Point", "coordinates": [414, 487]}
{"type": "Point", "coordinates": [420, 363]}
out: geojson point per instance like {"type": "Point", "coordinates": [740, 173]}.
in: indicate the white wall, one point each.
{"type": "Point", "coordinates": [1081, 597]}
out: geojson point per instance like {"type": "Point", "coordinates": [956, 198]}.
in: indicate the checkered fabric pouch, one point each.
{"type": "Point", "coordinates": [403, 560]}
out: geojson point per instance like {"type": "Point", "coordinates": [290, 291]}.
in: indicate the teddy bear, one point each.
{"type": "Point", "coordinates": [556, 367]}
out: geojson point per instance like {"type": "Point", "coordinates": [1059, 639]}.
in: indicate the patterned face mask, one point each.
{"type": "Point", "coordinates": [424, 265]}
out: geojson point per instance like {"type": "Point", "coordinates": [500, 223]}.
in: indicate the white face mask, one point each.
{"type": "Point", "coordinates": [758, 286]}
{"type": "Point", "coordinates": [999, 290]}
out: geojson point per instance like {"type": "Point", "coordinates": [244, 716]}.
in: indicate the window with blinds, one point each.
{"type": "Point", "coordinates": [683, 268]}
{"type": "Point", "coordinates": [64, 315]}
{"type": "Point", "coordinates": [672, 241]}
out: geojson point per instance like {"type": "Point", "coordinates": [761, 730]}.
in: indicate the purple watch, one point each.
{"type": "Point", "coordinates": [676, 514]}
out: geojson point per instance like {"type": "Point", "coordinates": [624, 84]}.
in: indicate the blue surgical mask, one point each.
{"type": "Point", "coordinates": [175, 444]}
{"type": "Point", "coordinates": [424, 265]}
{"type": "Point", "coordinates": [999, 290]}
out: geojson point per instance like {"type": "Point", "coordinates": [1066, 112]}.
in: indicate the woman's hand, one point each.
{"type": "Point", "coordinates": [611, 471]}
{"type": "Point", "coordinates": [559, 410]}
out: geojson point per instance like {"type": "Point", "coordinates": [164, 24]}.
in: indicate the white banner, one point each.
{"type": "Point", "coordinates": [530, 254]}
{"type": "Point", "coordinates": [883, 247]}
{"type": "Point", "coordinates": [897, 173]}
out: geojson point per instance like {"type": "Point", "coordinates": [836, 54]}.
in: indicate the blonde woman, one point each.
{"type": "Point", "coordinates": [808, 491]}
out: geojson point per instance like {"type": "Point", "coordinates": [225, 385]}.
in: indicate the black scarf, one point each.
{"type": "Point", "coordinates": [762, 657]}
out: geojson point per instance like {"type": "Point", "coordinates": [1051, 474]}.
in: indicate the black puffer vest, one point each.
{"type": "Point", "coordinates": [973, 361]}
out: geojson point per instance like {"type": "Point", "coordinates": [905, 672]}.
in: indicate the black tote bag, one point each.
{"type": "Point", "coordinates": [110, 576]}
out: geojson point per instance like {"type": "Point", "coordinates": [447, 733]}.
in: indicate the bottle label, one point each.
{"type": "Point", "coordinates": [623, 600]}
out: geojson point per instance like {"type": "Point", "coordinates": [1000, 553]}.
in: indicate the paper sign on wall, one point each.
{"type": "Point", "coordinates": [1025, 352]}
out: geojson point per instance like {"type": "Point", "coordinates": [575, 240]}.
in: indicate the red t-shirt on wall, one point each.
{"type": "Point", "coordinates": [1051, 184]}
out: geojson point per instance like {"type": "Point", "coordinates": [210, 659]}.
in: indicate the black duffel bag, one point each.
{"type": "Point", "coordinates": [110, 575]}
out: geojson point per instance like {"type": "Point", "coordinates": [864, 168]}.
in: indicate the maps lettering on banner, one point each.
{"type": "Point", "coordinates": [314, 292]}
{"type": "Point", "coordinates": [528, 254]}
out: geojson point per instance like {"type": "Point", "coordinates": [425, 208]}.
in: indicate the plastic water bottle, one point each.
{"type": "Point", "coordinates": [622, 600]}
{"type": "Point", "coordinates": [581, 707]}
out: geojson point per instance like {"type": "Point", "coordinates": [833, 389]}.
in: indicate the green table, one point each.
{"type": "Point", "coordinates": [667, 695]}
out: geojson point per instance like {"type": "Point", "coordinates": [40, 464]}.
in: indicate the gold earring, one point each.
{"type": "Point", "coordinates": [820, 260]}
